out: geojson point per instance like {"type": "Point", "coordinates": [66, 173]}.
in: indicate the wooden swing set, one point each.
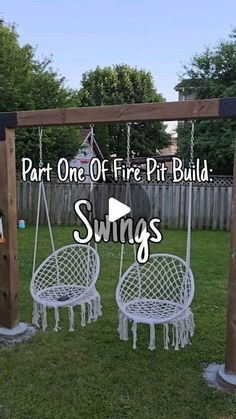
{"type": "Point", "coordinates": [169, 111]}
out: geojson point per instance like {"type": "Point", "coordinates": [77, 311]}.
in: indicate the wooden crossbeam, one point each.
{"type": "Point", "coordinates": [169, 111]}
{"type": "Point", "coordinates": [138, 112]}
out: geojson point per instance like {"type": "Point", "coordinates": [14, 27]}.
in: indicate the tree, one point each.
{"type": "Point", "coordinates": [212, 74]}
{"type": "Point", "coordinates": [27, 83]}
{"type": "Point", "coordinates": [117, 85]}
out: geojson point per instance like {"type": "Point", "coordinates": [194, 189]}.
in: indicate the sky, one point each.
{"type": "Point", "coordinates": [155, 35]}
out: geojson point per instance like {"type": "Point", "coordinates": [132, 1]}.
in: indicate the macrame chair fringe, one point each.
{"type": "Point", "coordinates": [152, 342]}
{"type": "Point", "coordinates": [83, 315]}
{"type": "Point", "coordinates": [166, 336]}
{"type": "Point", "coordinates": [71, 319]}
{"type": "Point", "coordinates": [44, 317]}
{"type": "Point", "coordinates": [57, 319]}
{"type": "Point", "coordinates": [97, 308]}
{"type": "Point", "coordinates": [123, 326]}
{"type": "Point", "coordinates": [93, 309]}
{"type": "Point", "coordinates": [90, 312]}
{"type": "Point", "coordinates": [182, 330]}
{"type": "Point", "coordinates": [36, 314]}
{"type": "Point", "coordinates": [134, 330]}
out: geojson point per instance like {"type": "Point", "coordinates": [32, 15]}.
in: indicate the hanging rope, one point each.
{"type": "Point", "coordinates": [189, 222]}
{"type": "Point", "coordinates": [128, 199]}
{"type": "Point", "coordinates": [128, 144]}
{"type": "Point", "coordinates": [91, 191]}
{"type": "Point", "coordinates": [91, 214]}
{"type": "Point", "coordinates": [40, 194]}
{"type": "Point", "coordinates": [40, 133]}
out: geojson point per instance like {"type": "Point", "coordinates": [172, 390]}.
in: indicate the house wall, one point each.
{"type": "Point", "coordinates": [78, 162]}
{"type": "Point", "coordinates": [186, 96]}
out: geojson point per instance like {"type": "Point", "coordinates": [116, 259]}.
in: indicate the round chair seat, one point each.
{"type": "Point", "coordinates": [152, 311]}
{"type": "Point", "coordinates": [157, 292]}
{"type": "Point", "coordinates": [66, 277]}
{"type": "Point", "coordinates": [60, 295]}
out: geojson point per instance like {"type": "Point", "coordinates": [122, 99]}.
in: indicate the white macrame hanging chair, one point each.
{"type": "Point", "coordinates": [67, 277]}
{"type": "Point", "coordinates": [159, 291]}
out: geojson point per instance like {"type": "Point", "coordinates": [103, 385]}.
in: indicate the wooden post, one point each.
{"type": "Point", "coordinates": [230, 355]}
{"type": "Point", "coordinates": [9, 316]}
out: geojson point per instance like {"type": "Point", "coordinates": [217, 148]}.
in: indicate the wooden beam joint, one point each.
{"type": "Point", "coordinates": [227, 107]}
{"type": "Point", "coordinates": [7, 120]}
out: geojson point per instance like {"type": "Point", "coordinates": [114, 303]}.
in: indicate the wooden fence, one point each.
{"type": "Point", "coordinates": [211, 204]}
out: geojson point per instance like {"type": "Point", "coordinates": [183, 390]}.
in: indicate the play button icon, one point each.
{"type": "Point", "coordinates": [117, 210]}
{"type": "Point", "coordinates": [112, 201]}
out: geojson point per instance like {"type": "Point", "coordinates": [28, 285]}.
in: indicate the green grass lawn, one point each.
{"type": "Point", "coordinates": [92, 374]}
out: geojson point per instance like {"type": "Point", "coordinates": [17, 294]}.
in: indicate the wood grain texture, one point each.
{"type": "Point", "coordinates": [230, 351]}
{"type": "Point", "coordinates": [9, 316]}
{"type": "Point", "coordinates": [169, 111]}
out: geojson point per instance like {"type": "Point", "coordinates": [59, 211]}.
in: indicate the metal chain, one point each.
{"type": "Point", "coordinates": [128, 143]}
{"type": "Point", "coordinates": [92, 134]}
{"type": "Point", "coordinates": [92, 191]}
{"type": "Point", "coordinates": [40, 131]}
{"type": "Point", "coordinates": [191, 161]}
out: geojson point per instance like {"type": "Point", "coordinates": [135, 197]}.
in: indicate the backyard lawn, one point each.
{"type": "Point", "coordinates": [92, 374]}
